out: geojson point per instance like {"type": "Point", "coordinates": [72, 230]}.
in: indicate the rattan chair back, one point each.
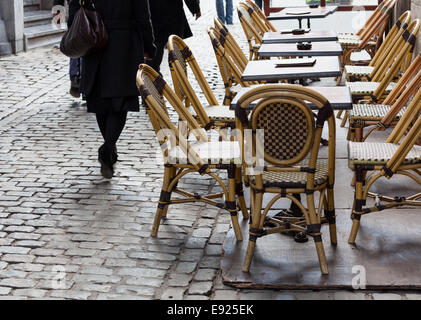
{"type": "Point", "coordinates": [270, 27]}
{"type": "Point", "coordinates": [229, 43]}
{"type": "Point", "coordinates": [410, 37]}
{"type": "Point", "coordinates": [253, 35]}
{"type": "Point", "coordinates": [392, 37]}
{"type": "Point", "coordinates": [181, 59]}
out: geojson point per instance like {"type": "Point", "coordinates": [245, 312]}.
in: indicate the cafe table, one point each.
{"type": "Point", "coordinates": [330, 48]}
{"type": "Point", "coordinates": [311, 36]}
{"type": "Point", "coordinates": [268, 70]}
{"type": "Point", "coordinates": [301, 13]}
{"type": "Point", "coordinates": [339, 97]}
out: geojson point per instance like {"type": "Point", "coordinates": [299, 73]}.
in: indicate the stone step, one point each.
{"type": "Point", "coordinates": [36, 18]}
{"type": "Point", "coordinates": [43, 35]}
{"type": "Point", "coordinates": [31, 7]}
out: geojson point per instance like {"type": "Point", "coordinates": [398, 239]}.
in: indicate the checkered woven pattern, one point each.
{"type": "Point", "coordinates": [295, 179]}
{"type": "Point", "coordinates": [285, 128]}
{"type": "Point", "coordinates": [362, 87]}
{"type": "Point", "coordinates": [217, 113]}
{"type": "Point", "coordinates": [358, 70]}
{"type": "Point", "coordinates": [372, 111]}
{"type": "Point", "coordinates": [348, 36]}
{"type": "Point", "coordinates": [372, 153]}
{"type": "Point", "coordinates": [183, 63]}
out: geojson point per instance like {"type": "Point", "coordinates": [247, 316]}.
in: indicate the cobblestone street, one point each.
{"type": "Point", "coordinates": [65, 233]}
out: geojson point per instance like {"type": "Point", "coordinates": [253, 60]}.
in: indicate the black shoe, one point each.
{"type": "Point", "coordinates": [75, 87]}
{"type": "Point", "coordinates": [114, 155]}
{"type": "Point", "coordinates": [106, 160]}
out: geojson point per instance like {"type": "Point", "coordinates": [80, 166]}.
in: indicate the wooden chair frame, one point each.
{"type": "Point", "coordinates": [231, 71]}
{"type": "Point", "coordinates": [253, 36]}
{"type": "Point", "coordinates": [269, 26]}
{"type": "Point", "coordinates": [296, 95]}
{"type": "Point", "coordinates": [154, 91]}
{"type": "Point", "coordinates": [180, 58]}
{"type": "Point", "coordinates": [397, 99]}
{"type": "Point", "coordinates": [409, 124]}
{"type": "Point", "coordinates": [379, 94]}
{"type": "Point", "coordinates": [384, 55]}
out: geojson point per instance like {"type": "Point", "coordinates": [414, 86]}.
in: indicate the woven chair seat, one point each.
{"type": "Point", "coordinates": [354, 42]}
{"type": "Point", "coordinates": [295, 179]}
{"type": "Point", "coordinates": [374, 153]}
{"type": "Point", "coordinates": [348, 36]}
{"type": "Point", "coordinates": [363, 87]}
{"type": "Point", "coordinates": [214, 152]}
{"type": "Point", "coordinates": [372, 111]}
{"type": "Point", "coordinates": [217, 113]}
{"type": "Point", "coordinates": [358, 71]}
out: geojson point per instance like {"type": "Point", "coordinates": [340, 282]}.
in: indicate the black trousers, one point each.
{"type": "Point", "coordinates": [111, 125]}
{"type": "Point", "coordinates": [157, 60]}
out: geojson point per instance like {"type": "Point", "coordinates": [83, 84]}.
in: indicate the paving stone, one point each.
{"type": "Point", "coordinates": [186, 267]}
{"type": "Point", "coordinates": [15, 258]}
{"type": "Point", "coordinates": [225, 295]}
{"type": "Point", "coordinates": [205, 275]}
{"type": "Point", "coordinates": [33, 293]}
{"type": "Point", "coordinates": [413, 296]}
{"type": "Point", "coordinates": [179, 279]}
{"type": "Point", "coordinates": [17, 283]}
{"type": "Point", "coordinates": [71, 294]}
{"type": "Point", "coordinates": [14, 250]}
{"type": "Point", "coordinates": [4, 291]}
{"type": "Point", "coordinates": [173, 294]}
{"type": "Point", "coordinates": [201, 288]}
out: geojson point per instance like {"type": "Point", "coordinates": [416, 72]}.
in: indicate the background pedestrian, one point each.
{"type": "Point", "coordinates": [224, 14]}
{"type": "Point", "coordinates": [168, 18]}
{"type": "Point", "coordinates": [109, 76]}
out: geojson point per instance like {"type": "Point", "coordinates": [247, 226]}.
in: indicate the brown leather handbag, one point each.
{"type": "Point", "coordinates": [86, 34]}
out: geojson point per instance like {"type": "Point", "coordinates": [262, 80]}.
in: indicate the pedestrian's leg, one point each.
{"type": "Point", "coordinates": [102, 123]}
{"type": "Point", "coordinates": [115, 125]}
{"type": "Point", "coordinates": [155, 63]}
{"type": "Point", "coordinates": [74, 74]}
{"type": "Point", "coordinates": [229, 12]}
{"type": "Point", "coordinates": [259, 3]}
{"type": "Point", "coordinates": [220, 10]}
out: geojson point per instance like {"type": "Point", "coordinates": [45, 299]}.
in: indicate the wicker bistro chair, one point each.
{"type": "Point", "coordinates": [373, 17]}
{"type": "Point", "coordinates": [291, 164]}
{"type": "Point", "coordinates": [382, 116]}
{"type": "Point", "coordinates": [372, 162]}
{"type": "Point", "coordinates": [369, 39]}
{"type": "Point", "coordinates": [384, 56]}
{"type": "Point", "coordinates": [180, 59]}
{"type": "Point", "coordinates": [228, 43]}
{"type": "Point", "coordinates": [260, 15]}
{"type": "Point", "coordinates": [230, 69]}
{"type": "Point", "coordinates": [376, 92]}
{"type": "Point", "coordinates": [251, 31]}
{"type": "Point", "coordinates": [182, 157]}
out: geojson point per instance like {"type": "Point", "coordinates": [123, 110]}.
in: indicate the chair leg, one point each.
{"type": "Point", "coordinates": [314, 230]}
{"type": "Point", "coordinates": [343, 123]}
{"type": "Point", "coordinates": [255, 225]}
{"type": "Point", "coordinates": [163, 202]}
{"type": "Point", "coordinates": [231, 205]}
{"type": "Point", "coordinates": [339, 114]}
{"type": "Point", "coordinates": [358, 204]}
{"type": "Point", "coordinates": [330, 214]}
{"type": "Point", "coordinates": [165, 210]}
{"type": "Point", "coordinates": [239, 190]}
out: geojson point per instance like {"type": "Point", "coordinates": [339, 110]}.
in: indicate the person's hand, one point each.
{"type": "Point", "coordinates": [147, 57]}
{"type": "Point", "coordinates": [198, 15]}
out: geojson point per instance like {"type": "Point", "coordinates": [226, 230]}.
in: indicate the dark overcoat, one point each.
{"type": "Point", "coordinates": [168, 17]}
{"type": "Point", "coordinates": [130, 35]}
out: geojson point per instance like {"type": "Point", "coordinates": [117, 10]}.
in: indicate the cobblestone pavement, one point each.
{"type": "Point", "coordinates": [66, 233]}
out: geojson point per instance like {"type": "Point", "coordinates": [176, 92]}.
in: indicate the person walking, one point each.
{"type": "Point", "coordinates": [168, 18]}
{"type": "Point", "coordinates": [74, 65]}
{"type": "Point", "coordinates": [109, 75]}
{"type": "Point", "coordinates": [224, 14]}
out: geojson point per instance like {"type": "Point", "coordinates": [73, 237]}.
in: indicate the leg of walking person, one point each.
{"type": "Point", "coordinates": [157, 59]}
{"type": "Point", "coordinates": [229, 12]}
{"type": "Point", "coordinates": [74, 73]}
{"type": "Point", "coordinates": [220, 10]}
{"type": "Point", "coordinates": [259, 3]}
